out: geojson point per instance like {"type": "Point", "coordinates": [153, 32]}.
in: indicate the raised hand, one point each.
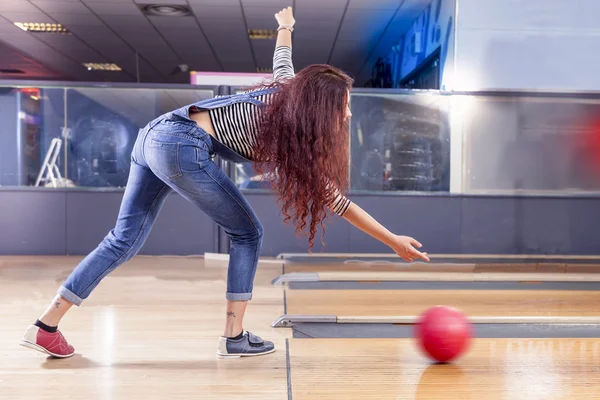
{"type": "Point", "coordinates": [285, 17]}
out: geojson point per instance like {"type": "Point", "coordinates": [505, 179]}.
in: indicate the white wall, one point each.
{"type": "Point", "coordinates": [527, 44]}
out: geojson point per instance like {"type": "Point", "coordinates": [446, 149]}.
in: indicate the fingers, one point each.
{"type": "Point", "coordinates": [284, 10]}
{"type": "Point", "coordinates": [411, 254]}
{"type": "Point", "coordinates": [417, 254]}
{"type": "Point", "coordinates": [285, 13]}
{"type": "Point", "coordinates": [415, 243]}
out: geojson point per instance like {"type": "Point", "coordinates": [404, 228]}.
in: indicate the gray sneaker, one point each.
{"type": "Point", "coordinates": [248, 346]}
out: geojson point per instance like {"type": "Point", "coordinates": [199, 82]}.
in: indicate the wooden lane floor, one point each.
{"type": "Point", "coordinates": [149, 331]}
{"type": "Point", "coordinates": [493, 369]}
{"type": "Point", "coordinates": [472, 302]}
{"type": "Point", "coordinates": [542, 268]}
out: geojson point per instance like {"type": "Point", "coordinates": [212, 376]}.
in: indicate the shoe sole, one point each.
{"type": "Point", "coordinates": [239, 355]}
{"type": "Point", "coordinates": [41, 349]}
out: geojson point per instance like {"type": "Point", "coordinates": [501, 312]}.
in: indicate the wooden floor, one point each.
{"type": "Point", "coordinates": [540, 268]}
{"type": "Point", "coordinates": [494, 369]}
{"type": "Point", "coordinates": [472, 302]}
{"type": "Point", "coordinates": [149, 331]}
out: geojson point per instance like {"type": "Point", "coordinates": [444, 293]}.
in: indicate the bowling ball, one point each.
{"type": "Point", "coordinates": [443, 333]}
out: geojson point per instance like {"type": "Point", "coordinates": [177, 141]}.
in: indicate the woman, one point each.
{"type": "Point", "coordinates": [294, 129]}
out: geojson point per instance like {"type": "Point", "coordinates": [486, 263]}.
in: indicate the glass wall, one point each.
{"type": "Point", "coordinates": [244, 175]}
{"type": "Point", "coordinates": [78, 136]}
{"type": "Point", "coordinates": [536, 144]}
{"type": "Point", "coordinates": [400, 141]}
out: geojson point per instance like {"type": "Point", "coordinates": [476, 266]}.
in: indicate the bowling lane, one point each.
{"type": "Point", "coordinates": [551, 268]}
{"type": "Point", "coordinates": [387, 303]}
{"type": "Point", "coordinates": [493, 369]}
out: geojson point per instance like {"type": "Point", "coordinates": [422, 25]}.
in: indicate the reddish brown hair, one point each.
{"type": "Point", "coordinates": [303, 144]}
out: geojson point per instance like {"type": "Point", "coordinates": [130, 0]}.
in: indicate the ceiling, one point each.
{"type": "Point", "coordinates": [349, 34]}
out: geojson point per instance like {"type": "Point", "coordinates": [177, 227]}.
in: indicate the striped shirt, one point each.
{"type": "Point", "coordinates": [236, 126]}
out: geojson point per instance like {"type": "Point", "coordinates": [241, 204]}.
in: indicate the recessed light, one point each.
{"type": "Point", "coordinates": [166, 10]}
{"type": "Point", "coordinates": [101, 67]}
{"type": "Point", "coordinates": [42, 27]}
{"type": "Point", "coordinates": [262, 33]}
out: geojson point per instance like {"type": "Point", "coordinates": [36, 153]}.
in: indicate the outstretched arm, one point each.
{"type": "Point", "coordinates": [402, 245]}
{"type": "Point", "coordinates": [282, 59]}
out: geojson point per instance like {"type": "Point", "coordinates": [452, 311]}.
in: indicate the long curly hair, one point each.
{"type": "Point", "coordinates": [303, 144]}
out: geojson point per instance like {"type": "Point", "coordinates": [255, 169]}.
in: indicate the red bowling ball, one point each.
{"type": "Point", "coordinates": [443, 333]}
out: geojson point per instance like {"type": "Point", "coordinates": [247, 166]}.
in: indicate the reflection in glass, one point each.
{"type": "Point", "coordinates": [400, 142]}
{"type": "Point", "coordinates": [103, 126]}
{"type": "Point", "coordinates": [532, 144]}
{"type": "Point", "coordinates": [21, 144]}
{"type": "Point", "coordinates": [95, 129]}
{"type": "Point", "coordinates": [243, 174]}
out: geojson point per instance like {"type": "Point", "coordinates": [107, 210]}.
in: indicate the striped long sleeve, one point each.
{"type": "Point", "coordinates": [283, 68]}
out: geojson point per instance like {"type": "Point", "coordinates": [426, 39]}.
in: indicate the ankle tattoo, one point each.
{"type": "Point", "coordinates": [230, 314]}
{"type": "Point", "coordinates": [57, 303]}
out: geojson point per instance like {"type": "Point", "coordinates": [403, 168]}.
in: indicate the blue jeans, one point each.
{"type": "Point", "coordinates": [173, 153]}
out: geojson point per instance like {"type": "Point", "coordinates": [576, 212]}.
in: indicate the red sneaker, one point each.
{"type": "Point", "coordinates": [54, 344]}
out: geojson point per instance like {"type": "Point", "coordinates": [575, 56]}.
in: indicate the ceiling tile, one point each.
{"type": "Point", "coordinates": [52, 6]}
{"type": "Point", "coordinates": [112, 46]}
{"type": "Point", "coordinates": [13, 59]}
{"type": "Point", "coordinates": [239, 49]}
{"type": "Point", "coordinates": [31, 16]}
{"type": "Point", "coordinates": [144, 41]}
{"type": "Point", "coordinates": [267, 3]}
{"type": "Point", "coordinates": [311, 55]}
{"type": "Point", "coordinates": [73, 47]}
{"type": "Point", "coordinates": [215, 2]}
{"type": "Point", "coordinates": [99, 36]}
{"type": "Point", "coordinates": [309, 14]}
{"type": "Point", "coordinates": [369, 15]}
{"type": "Point", "coordinates": [306, 43]}
{"type": "Point", "coordinates": [50, 57]}
{"type": "Point", "coordinates": [315, 31]}
{"type": "Point", "coordinates": [264, 46]}
{"type": "Point", "coordinates": [199, 55]}
{"type": "Point", "coordinates": [239, 65]}
{"type": "Point", "coordinates": [121, 9]}
{"type": "Point", "coordinates": [106, 1]}
{"type": "Point", "coordinates": [375, 4]}
{"type": "Point", "coordinates": [116, 29]}
{"type": "Point", "coordinates": [261, 23]}
{"type": "Point", "coordinates": [234, 31]}
{"type": "Point", "coordinates": [174, 2]}
{"type": "Point", "coordinates": [174, 23]}
{"type": "Point", "coordinates": [70, 20]}
{"type": "Point", "coordinates": [337, 4]}
{"type": "Point", "coordinates": [217, 13]}
{"type": "Point", "coordinates": [16, 6]}
{"type": "Point", "coordinates": [261, 12]}
{"type": "Point", "coordinates": [348, 33]}
{"type": "Point", "coordinates": [133, 22]}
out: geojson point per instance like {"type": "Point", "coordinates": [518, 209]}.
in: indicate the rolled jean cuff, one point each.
{"type": "Point", "coordinates": [70, 296]}
{"type": "Point", "coordinates": [238, 296]}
